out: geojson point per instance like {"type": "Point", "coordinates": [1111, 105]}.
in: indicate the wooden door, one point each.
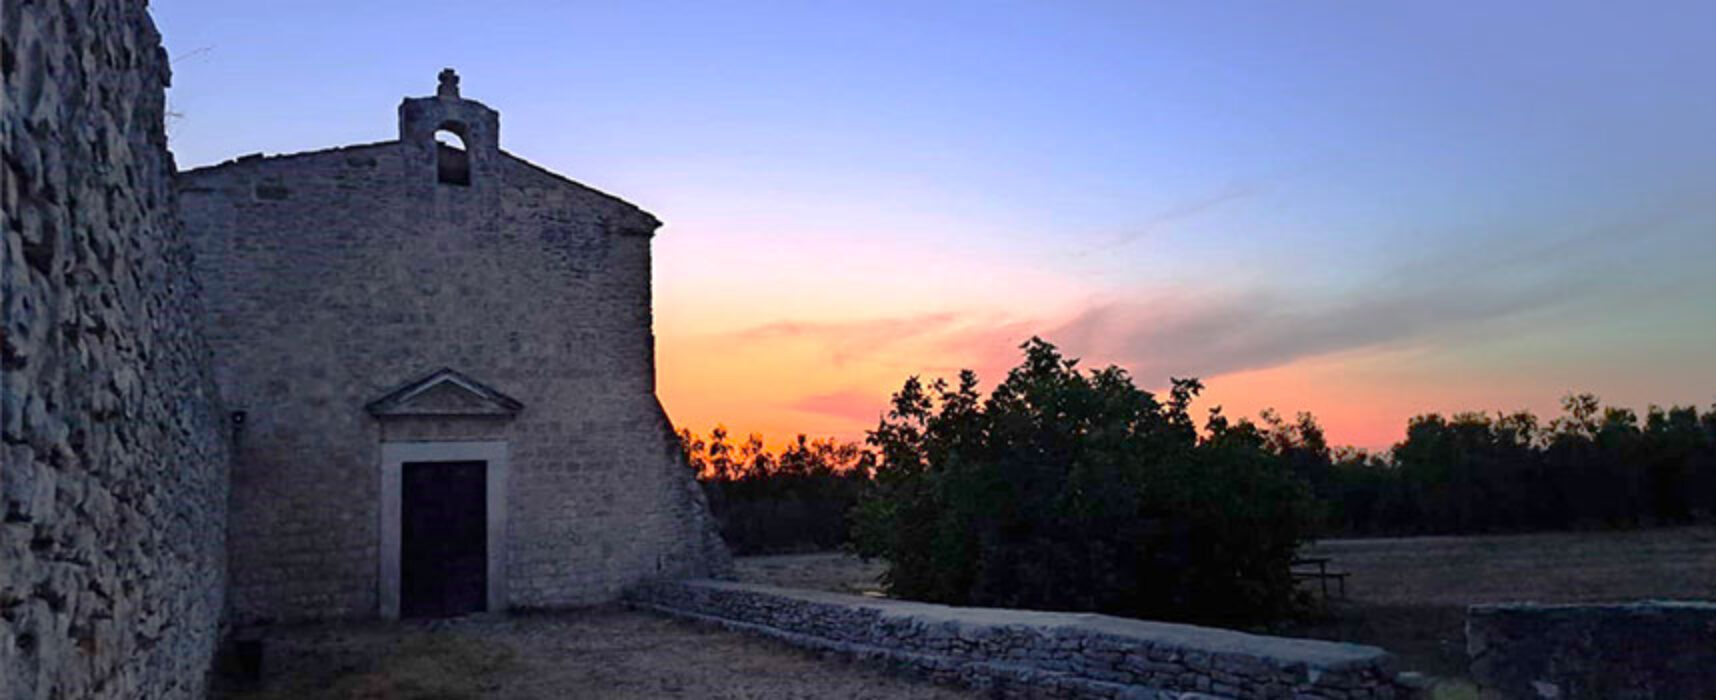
{"type": "Point", "coordinates": [443, 558]}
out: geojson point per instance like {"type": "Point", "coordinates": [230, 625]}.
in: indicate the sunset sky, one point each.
{"type": "Point", "coordinates": [1362, 210]}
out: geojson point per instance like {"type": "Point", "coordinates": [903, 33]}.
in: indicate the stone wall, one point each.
{"type": "Point", "coordinates": [1018, 653]}
{"type": "Point", "coordinates": [1637, 650]}
{"type": "Point", "coordinates": [335, 277]}
{"type": "Point", "coordinates": [113, 471]}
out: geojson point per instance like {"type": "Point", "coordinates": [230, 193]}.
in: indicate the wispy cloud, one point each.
{"type": "Point", "coordinates": [1503, 287]}
{"type": "Point", "coordinates": [936, 341]}
{"type": "Point", "coordinates": [1211, 331]}
{"type": "Point", "coordinates": [845, 340]}
{"type": "Point", "coordinates": [1161, 221]}
{"type": "Point", "coordinates": [860, 407]}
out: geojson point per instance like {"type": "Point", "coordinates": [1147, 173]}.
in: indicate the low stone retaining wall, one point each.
{"type": "Point", "coordinates": [1656, 649]}
{"type": "Point", "coordinates": [1025, 653]}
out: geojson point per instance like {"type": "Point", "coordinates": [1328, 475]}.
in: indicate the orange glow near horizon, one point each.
{"type": "Point", "coordinates": [783, 391]}
{"type": "Point", "coordinates": [765, 343]}
{"type": "Point", "coordinates": [783, 386]}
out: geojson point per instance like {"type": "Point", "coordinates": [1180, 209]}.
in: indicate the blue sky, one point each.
{"type": "Point", "coordinates": [1365, 210]}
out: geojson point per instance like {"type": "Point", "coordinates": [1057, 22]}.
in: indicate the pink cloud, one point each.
{"type": "Point", "coordinates": [847, 340]}
{"type": "Point", "coordinates": [857, 406]}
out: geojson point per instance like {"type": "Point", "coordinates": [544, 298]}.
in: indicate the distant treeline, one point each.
{"type": "Point", "coordinates": [1592, 467]}
{"type": "Point", "coordinates": [793, 500]}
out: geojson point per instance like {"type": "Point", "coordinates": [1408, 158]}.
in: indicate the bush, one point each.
{"type": "Point", "coordinates": [1077, 491]}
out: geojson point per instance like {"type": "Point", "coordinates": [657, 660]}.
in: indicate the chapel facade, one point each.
{"type": "Point", "coordinates": [438, 366]}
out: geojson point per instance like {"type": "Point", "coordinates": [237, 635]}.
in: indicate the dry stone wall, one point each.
{"type": "Point", "coordinates": [1019, 653]}
{"type": "Point", "coordinates": [1643, 651]}
{"type": "Point", "coordinates": [113, 471]}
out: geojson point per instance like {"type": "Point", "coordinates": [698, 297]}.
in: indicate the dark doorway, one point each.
{"type": "Point", "coordinates": [443, 558]}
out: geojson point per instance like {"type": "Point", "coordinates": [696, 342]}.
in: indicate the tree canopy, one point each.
{"type": "Point", "coordinates": [1066, 489]}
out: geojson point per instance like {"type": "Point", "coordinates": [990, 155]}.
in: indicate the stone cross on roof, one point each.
{"type": "Point", "coordinates": [449, 84]}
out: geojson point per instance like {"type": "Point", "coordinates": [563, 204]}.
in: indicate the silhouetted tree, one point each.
{"type": "Point", "coordinates": [1076, 490]}
{"type": "Point", "coordinates": [1593, 466]}
{"type": "Point", "coordinates": [1059, 488]}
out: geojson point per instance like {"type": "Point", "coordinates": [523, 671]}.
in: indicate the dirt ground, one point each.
{"type": "Point", "coordinates": [1406, 595]}
{"type": "Point", "coordinates": [606, 653]}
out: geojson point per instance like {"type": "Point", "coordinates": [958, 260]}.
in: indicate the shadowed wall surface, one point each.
{"type": "Point", "coordinates": [112, 565]}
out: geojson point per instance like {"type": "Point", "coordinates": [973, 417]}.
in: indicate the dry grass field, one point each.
{"type": "Point", "coordinates": [1409, 595]}
{"type": "Point", "coordinates": [603, 653]}
{"type": "Point", "coordinates": [826, 571]}
{"type": "Point", "coordinates": [1551, 568]}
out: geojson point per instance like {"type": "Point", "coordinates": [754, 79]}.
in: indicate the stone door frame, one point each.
{"type": "Point", "coordinates": [394, 455]}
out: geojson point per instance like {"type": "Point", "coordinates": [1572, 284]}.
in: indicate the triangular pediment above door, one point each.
{"type": "Point", "coordinates": [445, 392]}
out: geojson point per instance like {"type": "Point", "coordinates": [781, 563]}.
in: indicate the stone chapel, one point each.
{"type": "Point", "coordinates": [437, 364]}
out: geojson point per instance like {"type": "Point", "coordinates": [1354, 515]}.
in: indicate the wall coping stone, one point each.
{"type": "Point", "coordinates": [1286, 650]}
{"type": "Point", "coordinates": [1642, 606]}
{"type": "Point", "coordinates": [1075, 654]}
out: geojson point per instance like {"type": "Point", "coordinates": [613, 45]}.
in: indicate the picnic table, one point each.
{"type": "Point", "coordinates": [1322, 574]}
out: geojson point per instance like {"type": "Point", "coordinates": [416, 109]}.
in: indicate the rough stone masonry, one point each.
{"type": "Point", "coordinates": [371, 319]}
{"type": "Point", "coordinates": [112, 553]}
{"type": "Point", "coordinates": [375, 307]}
{"type": "Point", "coordinates": [1036, 654]}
